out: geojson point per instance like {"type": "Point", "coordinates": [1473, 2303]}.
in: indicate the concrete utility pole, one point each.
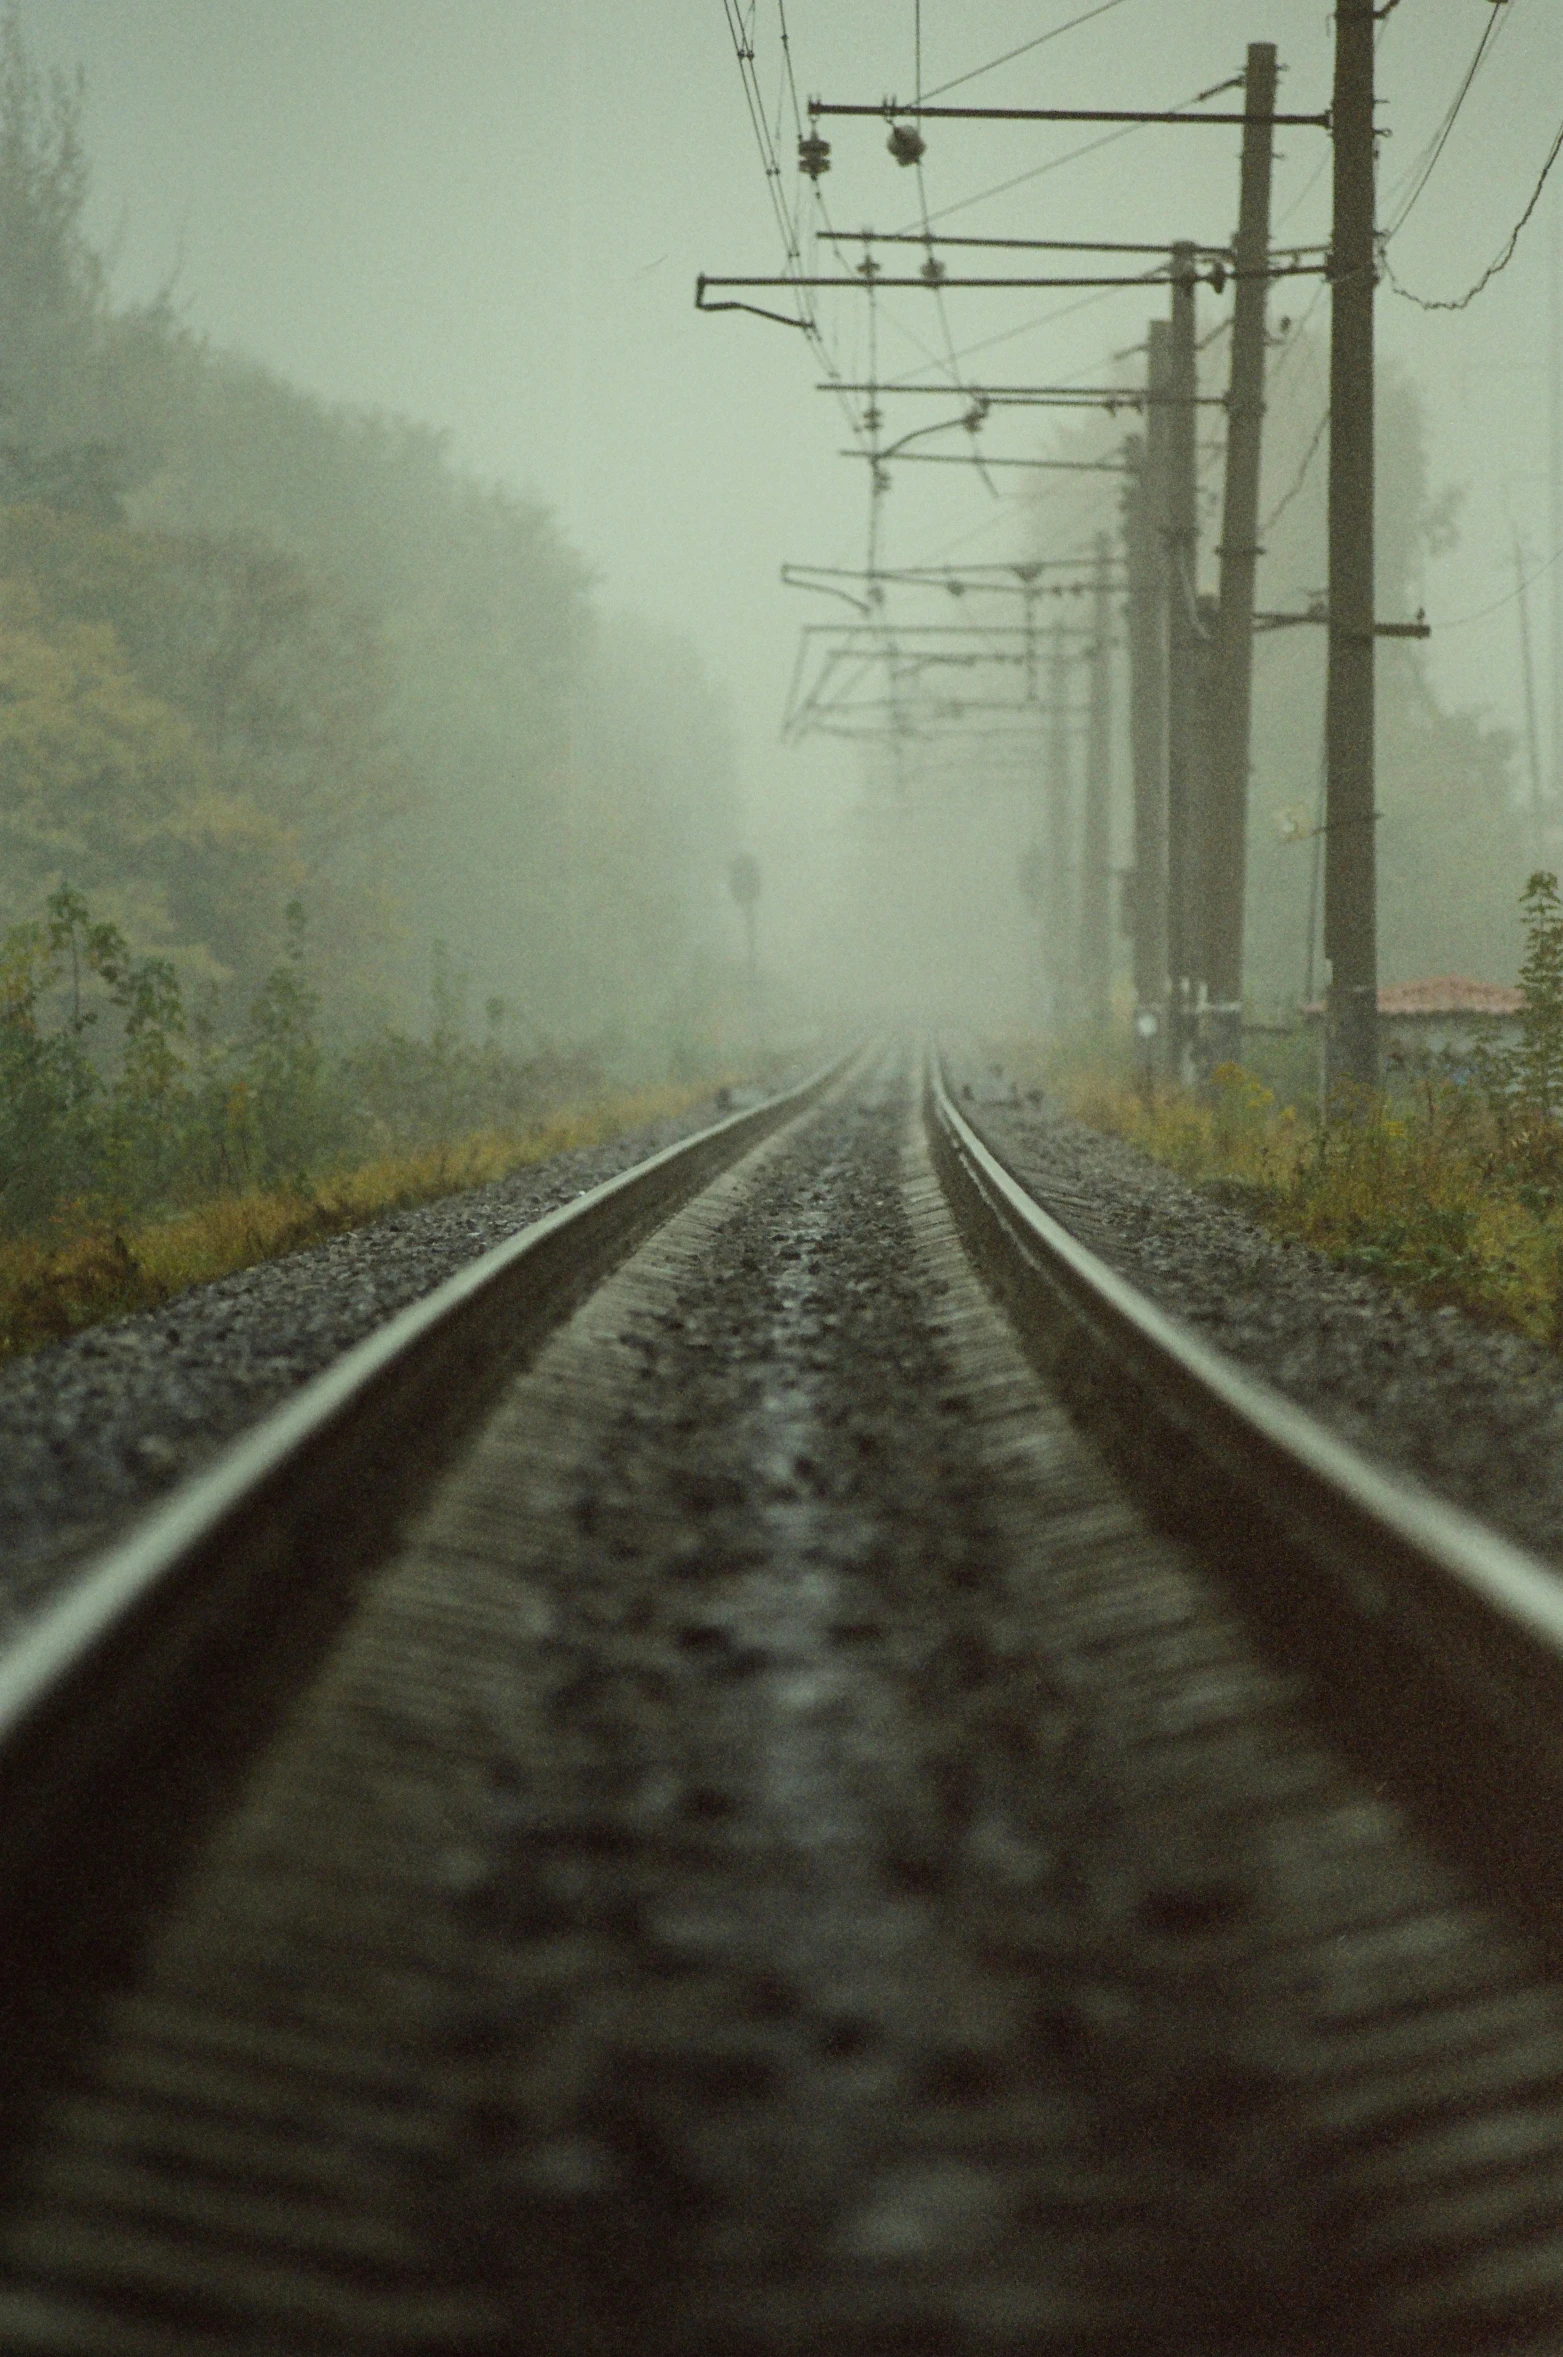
{"type": "Point", "coordinates": [1144, 518]}
{"type": "Point", "coordinates": [1555, 482]}
{"type": "Point", "coordinates": [1060, 836]}
{"type": "Point", "coordinates": [1096, 850]}
{"type": "Point", "coordinates": [1231, 712]}
{"type": "Point", "coordinates": [743, 881]}
{"type": "Point", "coordinates": [1180, 539]}
{"type": "Point", "coordinates": [1532, 739]}
{"type": "Point", "coordinates": [1350, 865]}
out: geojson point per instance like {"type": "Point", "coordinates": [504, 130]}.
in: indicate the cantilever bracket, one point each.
{"type": "Point", "coordinates": [780, 317]}
{"type": "Point", "coordinates": [1420, 628]}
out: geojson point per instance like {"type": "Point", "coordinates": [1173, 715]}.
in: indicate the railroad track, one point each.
{"type": "Point", "coordinates": [679, 1801]}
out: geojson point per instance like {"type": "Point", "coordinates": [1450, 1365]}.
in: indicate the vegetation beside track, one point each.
{"type": "Point", "coordinates": [82, 1270]}
{"type": "Point", "coordinates": [145, 1149]}
{"type": "Point", "coordinates": [1451, 1192]}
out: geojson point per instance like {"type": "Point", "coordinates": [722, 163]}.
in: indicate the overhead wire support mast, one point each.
{"type": "Point", "coordinates": [1350, 818]}
{"type": "Point", "coordinates": [1231, 702]}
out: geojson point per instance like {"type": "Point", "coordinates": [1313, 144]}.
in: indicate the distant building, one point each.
{"type": "Point", "coordinates": [1440, 1021]}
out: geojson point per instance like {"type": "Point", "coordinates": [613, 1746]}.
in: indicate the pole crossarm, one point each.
{"type": "Point", "coordinates": [935, 279]}
{"type": "Point", "coordinates": [870, 278]}
{"type": "Point", "coordinates": [849, 631]}
{"type": "Point", "coordinates": [1420, 628]}
{"type": "Point", "coordinates": [1019, 574]}
{"type": "Point", "coordinates": [1062, 466]}
{"type": "Point", "coordinates": [1134, 397]}
{"type": "Point", "coordinates": [1027, 245]}
{"type": "Point", "coordinates": [756, 310]}
{"type": "Point", "coordinates": [890, 110]}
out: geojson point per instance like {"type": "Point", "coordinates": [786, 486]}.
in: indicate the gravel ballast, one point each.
{"type": "Point", "coordinates": [785, 1859]}
{"type": "Point", "coordinates": [92, 1430]}
{"type": "Point", "coordinates": [1473, 1412]}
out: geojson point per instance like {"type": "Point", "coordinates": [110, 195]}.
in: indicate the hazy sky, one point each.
{"type": "Point", "coordinates": [490, 213]}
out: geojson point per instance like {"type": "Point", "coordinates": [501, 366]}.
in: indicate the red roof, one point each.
{"type": "Point", "coordinates": [1449, 994]}
{"type": "Point", "coordinates": [1443, 994]}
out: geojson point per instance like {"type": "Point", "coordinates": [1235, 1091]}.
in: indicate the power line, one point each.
{"type": "Point", "coordinates": [1501, 262]}
{"type": "Point", "coordinates": [1040, 41]}
{"type": "Point", "coordinates": [1057, 163]}
{"type": "Point", "coordinates": [1508, 599]}
{"type": "Point", "coordinates": [789, 226]}
{"type": "Point", "coordinates": [1027, 327]}
{"type": "Point", "coordinates": [1309, 455]}
{"type": "Point", "coordinates": [1422, 170]}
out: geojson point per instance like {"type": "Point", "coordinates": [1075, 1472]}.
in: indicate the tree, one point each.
{"type": "Point", "coordinates": [282, 690]}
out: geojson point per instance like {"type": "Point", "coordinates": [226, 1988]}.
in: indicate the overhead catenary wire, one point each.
{"type": "Point", "coordinates": [788, 224]}
{"type": "Point", "coordinates": [1422, 170]}
{"type": "Point", "coordinates": [1041, 39]}
{"type": "Point", "coordinates": [1301, 476]}
{"type": "Point", "coordinates": [1499, 262]}
{"type": "Point", "coordinates": [1481, 613]}
{"type": "Point", "coordinates": [1089, 147]}
{"type": "Point", "coordinates": [950, 364]}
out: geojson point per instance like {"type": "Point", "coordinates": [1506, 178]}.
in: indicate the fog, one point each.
{"type": "Point", "coordinates": [488, 220]}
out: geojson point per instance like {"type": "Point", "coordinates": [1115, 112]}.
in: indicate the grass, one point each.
{"type": "Point", "coordinates": [1448, 1198]}
{"type": "Point", "coordinates": [85, 1269]}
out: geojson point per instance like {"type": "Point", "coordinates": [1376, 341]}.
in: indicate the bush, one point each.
{"type": "Point", "coordinates": [114, 1100]}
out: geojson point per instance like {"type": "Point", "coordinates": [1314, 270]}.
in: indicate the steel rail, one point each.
{"type": "Point", "coordinates": [1410, 1606]}
{"type": "Point", "coordinates": [265, 1548]}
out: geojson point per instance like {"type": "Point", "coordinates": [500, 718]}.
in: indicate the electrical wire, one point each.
{"type": "Point", "coordinates": [1294, 342]}
{"type": "Point", "coordinates": [1482, 612]}
{"type": "Point", "coordinates": [1309, 455]}
{"type": "Point", "coordinates": [788, 225]}
{"type": "Point", "coordinates": [1306, 189]}
{"type": "Point", "coordinates": [1422, 170]}
{"type": "Point", "coordinates": [1500, 261]}
{"type": "Point", "coordinates": [1042, 319]}
{"type": "Point", "coordinates": [1090, 147]}
{"type": "Point", "coordinates": [1042, 38]}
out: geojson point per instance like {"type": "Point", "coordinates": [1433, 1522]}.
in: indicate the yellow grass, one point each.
{"type": "Point", "coordinates": [90, 1270]}
{"type": "Point", "coordinates": [1437, 1198]}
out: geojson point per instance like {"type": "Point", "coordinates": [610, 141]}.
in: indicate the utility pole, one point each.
{"type": "Point", "coordinates": [1555, 481]}
{"type": "Point", "coordinates": [1180, 538]}
{"type": "Point", "coordinates": [1060, 835]}
{"type": "Point", "coordinates": [1145, 556]}
{"type": "Point", "coordinates": [1231, 715]}
{"type": "Point", "coordinates": [1096, 849]}
{"type": "Point", "coordinates": [1532, 742]}
{"type": "Point", "coordinates": [743, 881]}
{"type": "Point", "coordinates": [1350, 885]}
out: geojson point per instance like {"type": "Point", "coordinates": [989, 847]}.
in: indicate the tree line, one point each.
{"type": "Point", "coordinates": [253, 646]}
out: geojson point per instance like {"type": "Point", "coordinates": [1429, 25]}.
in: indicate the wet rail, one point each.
{"type": "Point", "coordinates": [1441, 1639]}
{"type": "Point", "coordinates": [778, 1835]}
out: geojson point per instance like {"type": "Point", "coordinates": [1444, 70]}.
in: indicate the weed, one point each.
{"type": "Point", "coordinates": [1455, 1195]}
{"type": "Point", "coordinates": [53, 1285]}
{"type": "Point", "coordinates": [141, 1151]}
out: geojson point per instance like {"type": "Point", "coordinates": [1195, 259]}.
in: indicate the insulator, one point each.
{"type": "Point", "coordinates": [932, 271]}
{"type": "Point", "coordinates": [905, 143]}
{"type": "Point", "coordinates": [1218, 277]}
{"type": "Point", "coordinates": [814, 155]}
